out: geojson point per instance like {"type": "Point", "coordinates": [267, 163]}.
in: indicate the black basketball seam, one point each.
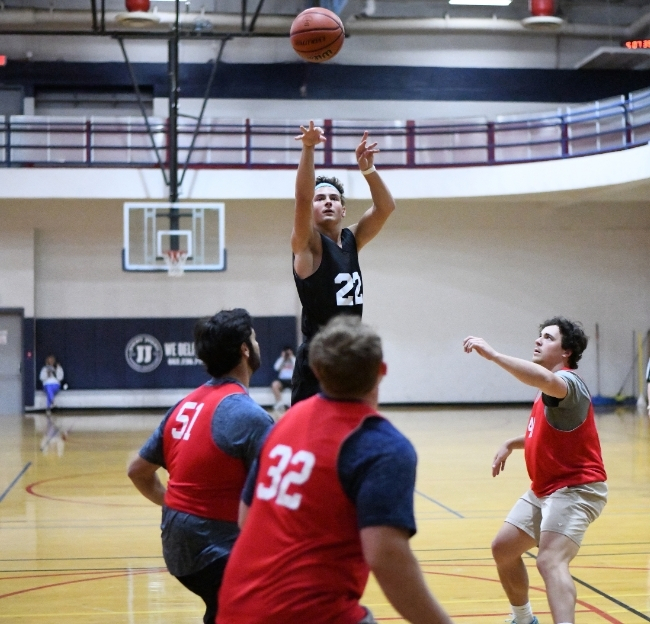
{"type": "Point", "coordinates": [323, 48]}
{"type": "Point", "coordinates": [339, 24]}
{"type": "Point", "coordinates": [327, 15]}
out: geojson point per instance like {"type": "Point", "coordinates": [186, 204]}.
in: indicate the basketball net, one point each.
{"type": "Point", "coordinates": [175, 261]}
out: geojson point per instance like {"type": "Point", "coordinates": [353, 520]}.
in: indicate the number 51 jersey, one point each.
{"type": "Point", "coordinates": [203, 480]}
{"type": "Point", "coordinates": [299, 558]}
{"type": "Point", "coordinates": [334, 288]}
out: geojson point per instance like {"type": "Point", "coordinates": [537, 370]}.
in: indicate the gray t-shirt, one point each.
{"type": "Point", "coordinates": [570, 412]}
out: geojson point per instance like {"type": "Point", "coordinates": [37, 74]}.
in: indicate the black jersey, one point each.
{"type": "Point", "coordinates": [335, 287]}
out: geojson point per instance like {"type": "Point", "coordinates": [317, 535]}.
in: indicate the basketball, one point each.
{"type": "Point", "coordinates": [317, 35]}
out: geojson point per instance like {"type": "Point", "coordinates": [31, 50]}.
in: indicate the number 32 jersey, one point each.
{"type": "Point", "coordinates": [299, 557]}
{"type": "Point", "coordinates": [336, 286]}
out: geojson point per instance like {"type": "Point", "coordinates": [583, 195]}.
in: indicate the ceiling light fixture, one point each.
{"type": "Point", "coordinates": [482, 2]}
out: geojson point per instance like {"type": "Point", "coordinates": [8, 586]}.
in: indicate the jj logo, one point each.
{"type": "Point", "coordinates": [143, 353]}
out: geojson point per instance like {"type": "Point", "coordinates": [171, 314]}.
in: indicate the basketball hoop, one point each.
{"type": "Point", "coordinates": [175, 261]}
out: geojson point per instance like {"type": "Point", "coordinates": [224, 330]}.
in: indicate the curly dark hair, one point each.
{"type": "Point", "coordinates": [218, 339]}
{"type": "Point", "coordinates": [574, 338]}
{"type": "Point", "coordinates": [335, 182]}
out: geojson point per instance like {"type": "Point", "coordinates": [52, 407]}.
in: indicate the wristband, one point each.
{"type": "Point", "coordinates": [369, 171]}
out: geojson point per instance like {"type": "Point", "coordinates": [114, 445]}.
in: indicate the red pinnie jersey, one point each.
{"type": "Point", "coordinates": [203, 480]}
{"type": "Point", "coordinates": [299, 557]}
{"type": "Point", "coordinates": [557, 459]}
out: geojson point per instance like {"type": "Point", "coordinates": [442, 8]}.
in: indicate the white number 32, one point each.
{"type": "Point", "coordinates": [281, 480]}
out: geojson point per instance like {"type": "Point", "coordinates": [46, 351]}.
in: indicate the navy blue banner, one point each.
{"type": "Point", "coordinates": [330, 81]}
{"type": "Point", "coordinates": [29, 365]}
{"type": "Point", "coordinates": [135, 353]}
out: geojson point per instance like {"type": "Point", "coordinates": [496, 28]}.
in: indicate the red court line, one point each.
{"type": "Point", "coordinates": [85, 580]}
{"type": "Point", "coordinates": [30, 489]}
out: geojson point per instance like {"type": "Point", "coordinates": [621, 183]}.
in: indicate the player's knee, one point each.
{"type": "Point", "coordinates": [507, 547]}
{"type": "Point", "coordinates": [501, 551]}
{"type": "Point", "coordinates": [547, 564]}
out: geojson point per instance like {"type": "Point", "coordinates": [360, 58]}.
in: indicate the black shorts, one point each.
{"type": "Point", "coordinates": [304, 383]}
{"type": "Point", "coordinates": [285, 383]}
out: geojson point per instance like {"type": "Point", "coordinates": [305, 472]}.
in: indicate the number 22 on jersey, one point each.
{"type": "Point", "coordinates": [300, 463]}
{"type": "Point", "coordinates": [344, 295]}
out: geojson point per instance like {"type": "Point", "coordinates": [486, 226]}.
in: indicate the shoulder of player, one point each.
{"type": "Point", "coordinates": [350, 231]}
{"type": "Point", "coordinates": [241, 405]}
{"type": "Point", "coordinates": [377, 437]}
{"type": "Point", "coordinates": [575, 384]}
{"type": "Point", "coordinates": [570, 376]}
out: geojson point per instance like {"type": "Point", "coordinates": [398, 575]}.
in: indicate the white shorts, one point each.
{"type": "Point", "coordinates": [569, 511]}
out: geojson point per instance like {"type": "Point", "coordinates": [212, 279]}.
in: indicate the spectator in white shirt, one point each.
{"type": "Point", "coordinates": [284, 367]}
{"type": "Point", "coordinates": [51, 377]}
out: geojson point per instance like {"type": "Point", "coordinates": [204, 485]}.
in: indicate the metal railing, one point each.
{"type": "Point", "coordinates": [607, 125]}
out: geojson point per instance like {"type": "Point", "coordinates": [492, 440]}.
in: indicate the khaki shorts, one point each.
{"type": "Point", "coordinates": [569, 511]}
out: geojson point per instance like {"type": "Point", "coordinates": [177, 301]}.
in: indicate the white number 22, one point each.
{"type": "Point", "coordinates": [281, 481]}
{"type": "Point", "coordinates": [349, 282]}
{"type": "Point", "coordinates": [186, 420]}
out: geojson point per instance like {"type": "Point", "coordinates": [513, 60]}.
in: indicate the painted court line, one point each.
{"type": "Point", "coordinates": [433, 500]}
{"type": "Point", "coordinates": [604, 594]}
{"type": "Point", "coordinates": [20, 474]}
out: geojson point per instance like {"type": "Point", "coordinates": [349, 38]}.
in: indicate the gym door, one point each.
{"type": "Point", "coordinates": [11, 349]}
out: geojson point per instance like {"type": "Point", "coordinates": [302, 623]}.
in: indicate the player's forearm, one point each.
{"type": "Point", "coordinates": [401, 580]}
{"type": "Point", "coordinates": [516, 443]}
{"type": "Point", "coordinates": [528, 372]}
{"type": "Point", "coordinates": [382, 198]}
{"type": "Point", "coordinates": [145, 478]}
{"type": "Point", "coordinates": [389, 556]}
{"type": "Point", "coordinates": [305, 177]}
{"type": "Point", "coordinates": [151, 488]}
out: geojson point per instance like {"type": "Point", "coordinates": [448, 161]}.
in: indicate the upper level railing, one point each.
{"type": "Point", "coordinates": [608, 125]}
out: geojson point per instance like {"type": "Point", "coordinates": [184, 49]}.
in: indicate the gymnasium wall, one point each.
{"type": "Point", "coordinates": [453, 49]}
{"type": "Point", "coordinates": [441, 269]}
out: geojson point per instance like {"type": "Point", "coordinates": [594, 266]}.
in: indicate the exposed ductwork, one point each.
{"type": "Point", "coordinates": [471, 25]}
{"type": "Point", "coordinates": [37, 21]}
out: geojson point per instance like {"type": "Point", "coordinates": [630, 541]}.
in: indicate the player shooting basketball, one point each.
{"type": "Point", "coordinates": [325, 261]}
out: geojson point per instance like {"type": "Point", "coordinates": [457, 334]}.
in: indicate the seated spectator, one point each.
{"type": "Point", "coordinates": [51, 377]}
{"type": "Point", "coordinates": [284, 367]}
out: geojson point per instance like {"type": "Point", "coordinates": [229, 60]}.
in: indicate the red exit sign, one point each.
{"type": "Point", "coordinates": [638, 44]}
{"type": "Point", "coordinates": [3, 60]}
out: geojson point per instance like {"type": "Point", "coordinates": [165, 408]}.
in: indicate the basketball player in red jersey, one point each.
{"type": "Point", "coordinates": [333, 499]}
{"type": "Point", "coordinates": [207, 442]}
{"type": "Point", "coordinates": [564, 462]}
{"type": "Point", "coordinates": [325, 254]}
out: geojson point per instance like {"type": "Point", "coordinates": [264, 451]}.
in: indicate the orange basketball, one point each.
{"type": "Point", "coordinates": [317, 35]}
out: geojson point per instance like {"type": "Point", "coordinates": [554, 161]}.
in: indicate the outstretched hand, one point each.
{"type": "Point", "coordinates": [311, 136]}
{"type": "Point", "coordinates": [473, 343]}
{"type": "Point", "coordinates": [366, 153]}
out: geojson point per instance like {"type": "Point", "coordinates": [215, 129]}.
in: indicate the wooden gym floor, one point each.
{"type": "Point", "coordinates": [79, 544]}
